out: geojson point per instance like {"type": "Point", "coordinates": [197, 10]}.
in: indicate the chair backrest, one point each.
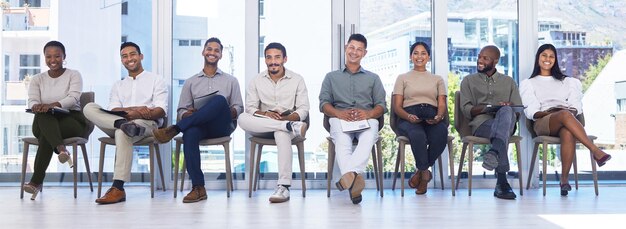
{"type": "Point", "coordinates": [85, 98]}
{"type": "Point", "coordinates": [461, 123]}
{"type": "Point", "coordinates": [530, 124]}
{"type": "Point", "coordinates": [381, 122]}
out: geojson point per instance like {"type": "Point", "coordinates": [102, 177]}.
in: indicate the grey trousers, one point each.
{"type": "Point", "coordinates": [499, 130]}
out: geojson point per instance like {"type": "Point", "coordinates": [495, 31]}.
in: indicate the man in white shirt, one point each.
{"type": "Point", "coordinates": [143, 96]}
{"type": "Point", "coordinates": [277, 103]}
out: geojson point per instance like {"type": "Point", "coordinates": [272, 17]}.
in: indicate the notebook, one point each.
{"type": "Point", "coordinates": [54, 110]}
{"type": "Point", "coordinates": [199, 102]}
{"type": "Point", "coordinates": [348, 127]}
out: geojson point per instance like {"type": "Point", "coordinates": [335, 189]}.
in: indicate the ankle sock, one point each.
{"type": "Point", "coordinates": [288, 125]}
{"type": "Point", "coordinates": [118, 123]}
{"type": "Point", "coordinates": [119, 184]}
{"type": "Point", "coordinates": [501, 178]}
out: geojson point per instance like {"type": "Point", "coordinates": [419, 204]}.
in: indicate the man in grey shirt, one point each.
{"type": "Point", "coordinates": [348, 95]}
{"type": "Point", "coordinates": [489, 87]}
{"type": "Point", "coordinates": [214, 119]}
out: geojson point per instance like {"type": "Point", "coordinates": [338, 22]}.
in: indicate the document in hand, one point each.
{"type": "Point", "coordinates": [260, 116]}
{"type": "Point", "coordinates": [54, 110]}
{"type": "Point", "coordinates": [118, 113]}
{"type": "Point", "coordinates": [355, 126]}
{"type": "Point", "coordinates": [495, 108]}
{"type": "Point", "coordinates": [199, 102]}
{"type": "Point", "coordinates": [560, 107]}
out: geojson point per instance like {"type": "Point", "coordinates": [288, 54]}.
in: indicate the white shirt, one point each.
{"type": "Point", "coordinates": [147, 89]}
{"type": "Point", "coordinates": [288, 93]}
{"type": "Point", "coordinates": [542, 92]}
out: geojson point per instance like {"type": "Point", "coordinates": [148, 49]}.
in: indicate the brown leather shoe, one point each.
{"type": "Point", "coordinates": [198, 193]}
{"type": "Point", "coordinates": [164, 135]}
{"type": "Point", "coordinates": [357, 187]}
{"type": "Point", "coordinates": [415, 179]}
{"type": "Point", "coordinates": [346, 181]}
{"type": "Point", "coordinates": [113, 195]}
{"type": "Point", "coordinates": [425, 177]}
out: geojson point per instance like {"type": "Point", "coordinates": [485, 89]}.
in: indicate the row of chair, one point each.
{"type": "Point", "coordinates": [461, 125]}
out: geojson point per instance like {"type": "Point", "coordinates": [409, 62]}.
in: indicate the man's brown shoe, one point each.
{"type": "Point", "coordinates": [113, 195]}
{"type": "Point", "coordinates": [425, 177]}
{"type": "Point", "coordinates": [346, 181]}
{"type": "Point", "coordinates": [197, 193]}
{"type": "Point", "coordinates": [357, 188]}
{"type": "Point", "coordinates": [164, 135]}
{"type": "Point", "coordinates": [415, 179]}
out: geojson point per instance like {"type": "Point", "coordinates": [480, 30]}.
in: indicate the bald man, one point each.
{"type": "Point", "coordinates": [489, 87]}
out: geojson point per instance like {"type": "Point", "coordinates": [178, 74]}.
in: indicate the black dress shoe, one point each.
{"type": "Point", "coordinates": [504, 191]}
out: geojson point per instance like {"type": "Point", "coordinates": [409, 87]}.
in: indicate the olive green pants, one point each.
{"type": "Point", "coordinates": [50, 130]}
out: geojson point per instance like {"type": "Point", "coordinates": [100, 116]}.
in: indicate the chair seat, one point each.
{"type": "Point", "coordinates": [479, 140]}
{"type": "Point", "coordinates": [406, 139]}
{"type": "Point", "coordinates": [67, 141]}
{"type": "Point", "coordinates": [272, 142]}
{"type": "Point", "coordinates": [208, 141]}
{"type": "Point", "coordinates": [555, 140]}
{"type": "Point", "coordinates": [145, 141]}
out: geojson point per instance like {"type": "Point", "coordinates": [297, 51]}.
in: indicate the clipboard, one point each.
{"type": "Point", "coordinates": [118, 113]}
{"type": "Point", "coordinates": [54, 110]}
{"type": "Point", "coordinates": [199, 102]}
{"type": "Point", "coordinates": [494, 108]}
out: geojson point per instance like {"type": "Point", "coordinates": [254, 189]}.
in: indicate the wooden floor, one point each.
{"type": "Point", "coordinates": [55, 208]}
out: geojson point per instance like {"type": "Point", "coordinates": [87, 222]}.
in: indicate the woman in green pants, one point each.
{"type": "Point", "coordinates": [57, 87]}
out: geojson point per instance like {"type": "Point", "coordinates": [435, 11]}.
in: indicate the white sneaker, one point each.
{"type": "Point", "coordinates": [280, 195]}
{"type": "Point", "coordinates": [298, 129]}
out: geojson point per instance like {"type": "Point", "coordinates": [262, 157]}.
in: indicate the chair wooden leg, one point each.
{"type": "Point", "coordinates": [451, 162]}
{"type": "Point", "coordinates": [518, 148]}
{"type": "Point", "coordinates": [594, 172]}
{"type": "Point", "coordinates": [24, 165]}
{"type": "Point", "coordinates": [160, 164]}
{"type": "Point", "coordinates": [375, 164]}
{"type": "Point", "coordinates": [545, 166]}
{"type": "Point", "coordinates": [575, 163]}
{"type": "Point", "coordinates": [397, 166]}
{"type": "Point", "coordinates": [75, 168]}
{"type": "Point", "coordinates": [331, 164]}
{"type": "Point", "coordinates": [532, 164]}
{"type": "Point", "coordinates": [257, 175]}
{"type": "Point", "coordinates": [440, 168]}
{"type": "Point", "coordinates": [151, 149]}
{"type": "Point", "coordinates": [300, 147]}
{"type": "Point", "coordinates": [182, 176]}
{"type": "Point", "coordinates": [87, 166]}
{"type": "Point", "coordinates": [229, 173]}
{"type": "Point", "coordinates": [401, 156]}
{"type": "Point", "coordinates": [458, 177]}
{"type": "Point", "coordinates": [470, 162]}
{"type": "Point", "coordinates": [101, 167]}
{"type": "Point", "coordinates": [379, 147]}
{"type": "Point", "coordinates": [251, 167]}
{"type": "Point", "coordinates": [176, 161]}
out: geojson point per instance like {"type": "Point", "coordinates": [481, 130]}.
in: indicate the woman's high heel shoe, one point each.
{"type": "Point", "coordinates": [64, 156]}
{"type": "Point", "coordinates": [603, 159]}
{"type": "Point", "coordinates": [565, 188]}
{"type": "Point", "coordinates": [32, 188]}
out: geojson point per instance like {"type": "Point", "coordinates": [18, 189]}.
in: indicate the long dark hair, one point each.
{"type": "Point", "coordinates": [555, 71]}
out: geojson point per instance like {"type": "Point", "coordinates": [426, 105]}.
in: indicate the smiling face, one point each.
{"type": "Point", "coordinates": [420, 58]}
{"type": "Point", "coordinates": [131, 59]}
{"type": "Point", "coordinates": [546, 61]}
{"type": "Point", "coordinates": [355, 51]}
{"type": "Point", "coordinates": [275, 61]}
{"type": "Point", "coordinates": [487, 60]}
{"type": "Point", "coordinates": [212, 53]}
{"type": "Point", "coordinates": [54, 58]}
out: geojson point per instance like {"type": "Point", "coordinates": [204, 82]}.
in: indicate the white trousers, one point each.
{"type": "Point", "coordinates": [349, 159]}
{"type": "Point", "coordinates": [268, 128]}
{"type": "Point", "coordinates": [123, 143]}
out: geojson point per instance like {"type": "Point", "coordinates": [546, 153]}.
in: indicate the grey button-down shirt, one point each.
{"type": "Point", "coordinates": [289, 93]}
{"type": "Point", "coordinates": [201, 84]}
{"type": "Point", "coordinates": [478, 88]}
{"type": "Point", "coordinates": [343, 89]}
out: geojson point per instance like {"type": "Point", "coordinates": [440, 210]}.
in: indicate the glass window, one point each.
{"type": "Point", "coordinates": [309, 55]}
{"type": "Point", "coordinates": [592, 53]}
{"type": "Point", "coordinates": [200, 20]}
{"type": "Point", "coordinates": [78, 31]}
{"type": "Point", "coordinates": [471, 27]}
{"type": "Point", "coordinates": [389, 38]}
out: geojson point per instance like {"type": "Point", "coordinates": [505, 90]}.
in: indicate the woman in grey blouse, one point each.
{"type": "Point", "coordinates": [57, 87]}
